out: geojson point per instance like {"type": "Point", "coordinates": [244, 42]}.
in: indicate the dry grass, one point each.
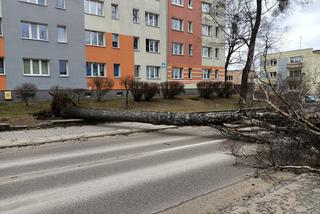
{"type": "Point", "coordinates": [182, 104]}
{"type": "Point", "coordinates": [20, 114]}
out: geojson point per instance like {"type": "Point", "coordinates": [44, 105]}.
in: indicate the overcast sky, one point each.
{"type": "Point", "coordinates": [305, 23]}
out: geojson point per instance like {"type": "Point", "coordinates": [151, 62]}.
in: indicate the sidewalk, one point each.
{"type": "Point", "coordinates": [268, 193]}
{"type": "Point", "coordinates": [41, 136]}
{"type": "Point", "coordinates": [300, 195]}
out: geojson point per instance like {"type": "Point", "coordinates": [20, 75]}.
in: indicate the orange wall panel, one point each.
{"type": "Point", "coordinates": [3, 81]}
{"type": "Point", "coordinates": [1, 47]}
{"type": "Point", "coordinates": [110, 56]}
{"type": "Point", "coordinates": [185, 37]}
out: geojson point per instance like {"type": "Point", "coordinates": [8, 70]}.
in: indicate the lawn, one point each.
{"type": "Point", "coordinates": [19, 114]}
{"type": "Point", "coordinates": [181, 104]}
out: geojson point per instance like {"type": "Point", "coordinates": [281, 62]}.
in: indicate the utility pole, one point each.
{"type": "Point", "coordinates": [300, 42]}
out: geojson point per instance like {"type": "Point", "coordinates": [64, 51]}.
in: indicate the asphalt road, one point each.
{"type": "Point", "coordinates": [140, 173]}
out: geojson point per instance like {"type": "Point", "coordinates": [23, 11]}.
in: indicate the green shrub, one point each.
{"type": "Point", "coordinates": [101, 86]}
{"type": "Point", "coordinates": [26, 91]}
{"type": "Point", "coordinates": [219, 89]}
{"type": "Point", "coordinates": [171, 89]}
{"type": "Point", "coordinates": [229, 89]}
{"type": "Point", "coordinates": [150, 89]}
{"type": "Point", "coordinates": [136, 89]}
{"type": "Point", "coordinates": [205, 89]}
{"type": "Point", "coordinates": [60, 100]}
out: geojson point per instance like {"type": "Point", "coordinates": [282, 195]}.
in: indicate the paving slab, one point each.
{"type": "Point", "coordinates": [300, 195]}
{"type": "Point", "coordinates": [48, 135]}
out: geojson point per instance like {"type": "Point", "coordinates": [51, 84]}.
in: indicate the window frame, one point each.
{"type": "Point", "coordinates": [38, 34]}
{"type": "Point", "coordinates": [40, 67]}
{"type": "Point", "coordinates": [67, 68]}
{"type": "Point", "coordinates": [65, 33]}
{"type": "Point", "coordinates": [37, 2]}
{"type": "Point", "coordinates": [64, 7]}
{"type": "Point", "coordinates": [99, 69]}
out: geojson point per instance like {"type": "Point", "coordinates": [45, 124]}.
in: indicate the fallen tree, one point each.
{"type": "Point", "coordinates": [165, 118]}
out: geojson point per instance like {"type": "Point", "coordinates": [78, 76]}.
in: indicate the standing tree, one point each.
{"type": "Point", "coordinates": [126, 82]}
{"type": "Point", "coordinates": [243, 20]}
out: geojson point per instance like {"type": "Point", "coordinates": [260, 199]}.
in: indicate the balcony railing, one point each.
{"type": "Point", "coordinates": [295, 65]}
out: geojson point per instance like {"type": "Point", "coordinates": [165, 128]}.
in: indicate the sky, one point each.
{"type": "Point", "coordinates": [301, 23]}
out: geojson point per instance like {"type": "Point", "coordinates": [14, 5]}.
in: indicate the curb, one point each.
{"type": "Point", "coordinates": [46, 141]}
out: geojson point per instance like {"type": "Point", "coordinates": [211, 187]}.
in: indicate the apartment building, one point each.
{"type": "Point", "coordinates": [195, 45]}
{"type": "Point", "coordinates": [131, 39]}
{"type": "Point", "coordinates": [42, 42]}
{"type": "Point", "coordinates": [69, 42]}
{"type": "Point", "coordinates": [291, 64]}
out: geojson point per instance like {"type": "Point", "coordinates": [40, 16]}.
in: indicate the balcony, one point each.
{"type": "Point", "coordinates": [295, 65]}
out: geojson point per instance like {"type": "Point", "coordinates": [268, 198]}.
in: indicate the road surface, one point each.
{"type": "Point", "coordinates": [139, 173]}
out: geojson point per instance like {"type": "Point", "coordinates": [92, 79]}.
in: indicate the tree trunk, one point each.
{"type": "Point", "coordinates": [250, 56]}
{"type": "Point", "coordinates": [164, 118]}
{"type": "Point", "coordinates": [226, 65]}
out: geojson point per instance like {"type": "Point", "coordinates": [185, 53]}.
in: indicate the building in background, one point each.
{"type": "Point", "coordinates": [235, 76]}
{"type": "Point", "coordinates": [292, 65]}
{"type": "Point", "coordinates": [126, 38]}
{"type": "Point", "coordinates": [42, 42]}
{"type": "Point", "coordinates": [68, 42]}
{"type": "Point", "coordinates": [195, 43]}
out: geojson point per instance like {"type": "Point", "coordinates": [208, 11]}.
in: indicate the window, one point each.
{"type": "Point", "coordinates": [63, 68]}
{"type": "Point", "coordinates": [206, 30]}
{"type": "Point", "coordinates": [94, 38]}
{"type": "Point", "coordinates": [190, 27]}
{"type": "Point", "coordinates": [177, 2]}
{"type": "Point", "coordinates": [62, 34]}
{"type": "Point", "coordinates": [190, 50]}
{"type": "Point", "coordinates": [35, 67]}
{"type": "Point", "coordinates": [229, 78]}
{"type": "Point", "coordinates": [135, 15]}
{"type": "Point", "coordinates": [177, 24]}
{"type": "Point", "coordinates": [295, 73]}
{"type": "Point", "coordinates": [34, 31]}
{"type": "Point", "coordinates": [217, 31]}
{"type": "Point", "coordinates": [206, 7]}
{"type": "Point", "coordinates": [216, 53]}
{"type": "Point", "coordinates": [177, 73]}
{"type": "Point", "coordinates": [206, 74]}
{"type": "Point", "coordinates": [216, 74]}
{"type": "Point", "coordinates": [61, 4]}
{"type": "Point", "coordinates": [296, 59]}
{"type": "Point", "coordinates": [206, 52]}
{"type": "Point", "coordinates": [153, 72]}
{"type": "Point", "coordinates": [39, 2]}
{"type": "Point", "coordinates": [136, 43]}
{"type": "Point", "coordinates": [93, 7]}
{"type": "Point", "coordinates": [273, 62]}
{"type": "Point", "coordinates": [114, 11]}
{"type": "Point", "coordinates": [273, 75]}
{"type": "Point", "coordinates": [0, 26]}
{"type": "Point", "coordinates": [115, 41]}
{"type": "Point", "coordinates": [189, 73]}
{"type": "Point", "coordinates": [177, 48]}
{"type": "Point", "coordinates": [2, 66]}
{"type": "Point", "coordinates": [116, 71]}
{"type": "Point", "coordinates": [94, 69]}
{"type": "Point", "coordinates": [152, 46]}
{"type": "Point", "coordinates": [152, 19]}
{"type": "Point", "coordinates": [190, 4]}
{"type": "Point", "coordinates": [137, 71]}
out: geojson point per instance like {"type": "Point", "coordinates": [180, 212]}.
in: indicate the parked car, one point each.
{"type": "Point", "coordinates": [311, 99]}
